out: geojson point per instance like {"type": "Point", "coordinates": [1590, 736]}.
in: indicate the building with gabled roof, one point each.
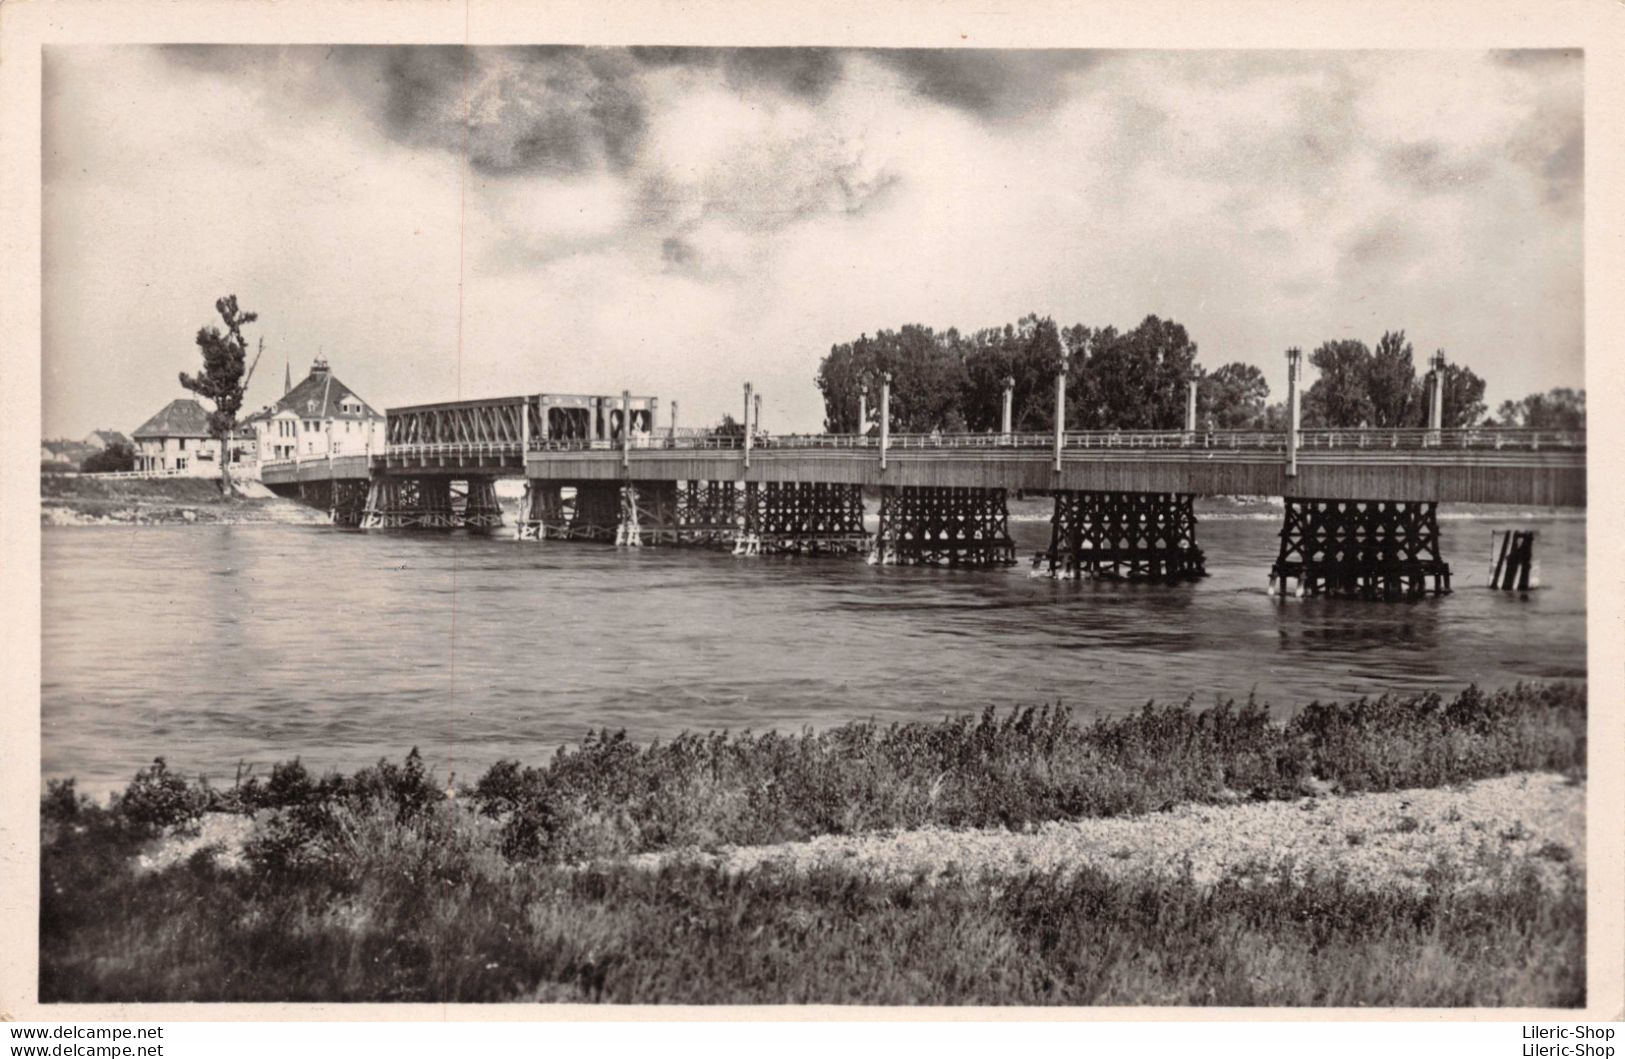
{"type": "Point", "coordinates": [316, 416]}
{"type": "Point", "coordinates": [177, 440]}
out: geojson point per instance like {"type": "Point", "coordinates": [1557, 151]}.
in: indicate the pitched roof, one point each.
{"type": "Point", "coordinates": [180, 418]}
{"type": "Point", "coordinates": [320, 395]}
{"type": "Point", "coordinates": [110, 437]}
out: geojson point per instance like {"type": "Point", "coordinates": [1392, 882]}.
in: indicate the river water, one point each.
{"type": "Point", "coordinates": [216, 644]}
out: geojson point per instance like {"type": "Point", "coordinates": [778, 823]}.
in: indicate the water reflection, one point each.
{"type": "Point", "coordinates": [214, 644]}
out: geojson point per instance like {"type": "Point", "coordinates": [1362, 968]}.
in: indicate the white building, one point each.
{"type": "Point", "coordinates": [320, 415]}
{"type": "Point", "coordinates": [177, 440]}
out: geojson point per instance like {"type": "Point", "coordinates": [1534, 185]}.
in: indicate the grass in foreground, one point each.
{"type": "Point", "coordinates": [425, 912]}
{"type": "Point", "coordinates": [374, 887]}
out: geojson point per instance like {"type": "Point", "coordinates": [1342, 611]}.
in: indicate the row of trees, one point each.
{"type": "Point", "coordinates": [1560, 409]}
{"type": "Point", "coordinates": [954, 381]}
{"type": "Point", "coordinates": [1129, 380]}
{"type": "Point", "coordinates": [1359, 386]}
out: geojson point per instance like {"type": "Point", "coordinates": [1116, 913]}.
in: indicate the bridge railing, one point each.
{"type": "Point", "coordinates": [1239, 441]}
{"type": "Point", "coordinates": [482, 449]}
{"type": "Point", "coordinates": [1422, 438]}
{"type": "Point", "coordinates": [1408, 438]}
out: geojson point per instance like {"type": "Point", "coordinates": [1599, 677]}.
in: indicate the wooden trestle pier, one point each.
{"type": "Point", "coordinates": [1360, 505]}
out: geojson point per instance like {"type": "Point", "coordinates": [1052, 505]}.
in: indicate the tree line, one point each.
{"type": "Point", "coordinates": [953, 381]}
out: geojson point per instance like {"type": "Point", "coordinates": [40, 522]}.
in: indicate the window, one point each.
{"type": "Point", "coordinates": [183, 444]}
{"type": "Point", "coordinates": [180, 463]}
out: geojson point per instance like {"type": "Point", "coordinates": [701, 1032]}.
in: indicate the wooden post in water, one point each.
{"type": "Point", "coordinates": [1060, 411]}
{"type": "Point", "coordinates": [1009, 401]}
{"type": "Point", "coordinates": [747, 425]}
{"type": "Point", "coordinates": [1294, 360]}
{"type": "Point", "coordinates": [885, 416]}
{"type": "Point", "coordinates": [1515, 563]}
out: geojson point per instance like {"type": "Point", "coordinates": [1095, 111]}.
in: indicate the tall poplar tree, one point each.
{"type": "Point", "coordinates": [221, 380]}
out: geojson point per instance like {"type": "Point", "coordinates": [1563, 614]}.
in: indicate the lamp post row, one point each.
{"type": "Point", "coordinates": [1294, 361]}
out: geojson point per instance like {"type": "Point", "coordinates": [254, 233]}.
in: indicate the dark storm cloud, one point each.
{"type": "Point", "coordinates": [525, 110]}
{"type": "Point", "coordinates": [805, 73]}
{"type": "Point", "coordinates": [990, 84]}
{"type": "Point", "coordinates": [566, 110]}
{"type": "Point", "coordinates": [545, 110]}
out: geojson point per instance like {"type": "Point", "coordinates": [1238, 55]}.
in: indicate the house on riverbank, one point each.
{"type": "Point", "coordinates": [318, 416]}
{"type": "Point", "coordinates": [176, 440]}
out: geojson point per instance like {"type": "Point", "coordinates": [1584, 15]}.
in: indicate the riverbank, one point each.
{"type": "Point", "coordinates": [1415, 851]}
{"type": "Point", "coordinates": [82, 500]}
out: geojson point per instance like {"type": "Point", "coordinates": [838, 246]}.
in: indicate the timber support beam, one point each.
{"type": "Point", "coordinates": [1369, 549]}
{"type": "Point", "coordinates": [1131, 536]}
{"type": "Point", "coordinates": [567, 510]}
{"type": "Point", "coordinates": [408, 503]}
{"type": "Point", "coordinates": [814, 518]}
{"type": "Point", "coordinates": [952, 526]}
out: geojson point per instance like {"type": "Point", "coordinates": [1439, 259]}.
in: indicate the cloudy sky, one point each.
{"type": "Point", "coordinates": [442, 222]}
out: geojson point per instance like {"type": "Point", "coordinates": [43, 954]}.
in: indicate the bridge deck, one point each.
{"type": "Point", "coordinates": [1474, 466]}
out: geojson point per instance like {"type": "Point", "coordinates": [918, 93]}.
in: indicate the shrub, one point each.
{"type": "Point", "coordinates": [157, 799]}
{"type": "Point", "coordinates": [116, 457]}
{"type": "Point", "coordinates": [61, 803]}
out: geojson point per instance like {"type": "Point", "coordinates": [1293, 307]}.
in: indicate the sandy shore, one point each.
{"type": "Point", "coordinates": [1469, 837]}
{"type": "Point", "coordinates": [96, 501]}
{"type": "Point", "coordinates": [281, 512]}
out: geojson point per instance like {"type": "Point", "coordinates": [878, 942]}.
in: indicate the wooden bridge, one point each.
{"type": "Point", "coordinates": [1360, 504]}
